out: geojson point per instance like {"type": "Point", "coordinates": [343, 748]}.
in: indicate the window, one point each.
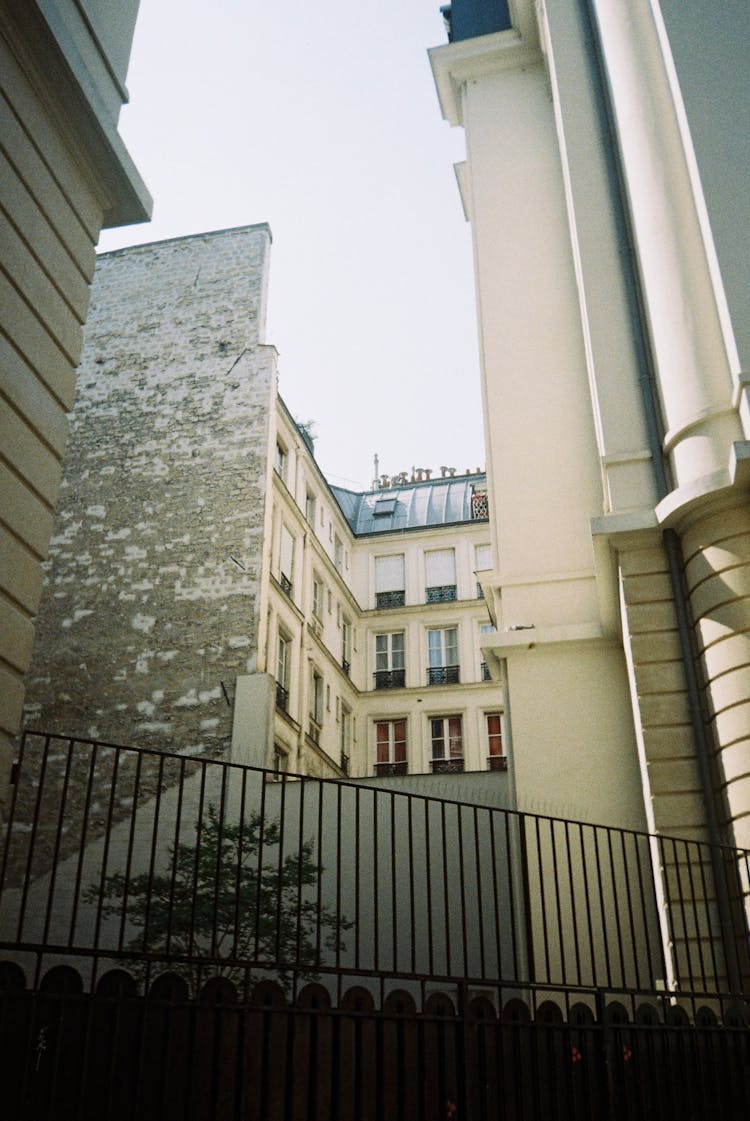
{"type": "Point", "coordinates": [316, 706]}
{"type": "Point", "coordinates": [440, 575]}
{"type": "Point", "coordinates": [485, 628]}
{"type": "Point", "coordinates": [280, 761]}
{"type": "Point", "coordinates": [389, 581]}
{"type": "Point", "coordinates": [338, 553]}
{"type": "Point", "coordinates": [286, 563]}
{"type": "Point", "coordinates": [346, 737]}
{"type": "Point", "coordinates": [482, 561]}
{"type": "Point", "coordinates": [390, 745]}
{"type": "Point", "coordinates": [280, 462]}
{"type": "Point", "coordinates": [389, 661]}
{"type": "Point", "coordinates": [282, 673]}
{"type": "Point", "coordinates": [496, 761]}
{"type": "Point", "coordinates": [442, 656]}
{"type": "Point", "coordinates": [346, 644]}
{"type": "Point", "coordinates": [310, 508]}
{"type": "Point", "coordinates": [384, 507]}
{"type": "Point", "coordinates": [447, 744]}
{"type": "Point", "coordinates": [317, 597]}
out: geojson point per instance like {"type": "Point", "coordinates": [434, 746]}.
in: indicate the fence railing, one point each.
{"type": "Point", "coordinates": [158, 861]}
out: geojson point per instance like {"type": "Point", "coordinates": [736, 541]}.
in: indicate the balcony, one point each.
{"type": "Point", "coordinates": [389, 599]}
{"type": "Point", "coordinates": [388, 770]}
{"type": "Point", "coordinates": [447, 766]}
{"type": "Point", "coordinates": [282, 697]}
{"type": "Point", "coordinates": [497, 762]}
{"type": "Point", "coordinates": [442, 593]}
{"type": "Point", "coordinates": [443, 675]}
{"type": "Point", "coordinates": [346, 666]}
{"type": "Point", "coordinates": [390, 678]}
{"type": "Point", "coordinates": [286, 585]}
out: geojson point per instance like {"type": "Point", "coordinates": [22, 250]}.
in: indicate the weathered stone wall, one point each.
{"type": "Point", "coordinates": [151, 604]}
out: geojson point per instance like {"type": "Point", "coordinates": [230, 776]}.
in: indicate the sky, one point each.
{"type": "Point", "coordinates": [324, 122]}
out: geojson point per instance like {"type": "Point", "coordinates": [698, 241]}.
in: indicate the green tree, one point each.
{"type": "Point", "coordinates": [230, 899]}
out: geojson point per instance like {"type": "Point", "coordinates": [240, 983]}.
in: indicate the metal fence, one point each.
{"type": "Point", "coordinates": [115, 856]}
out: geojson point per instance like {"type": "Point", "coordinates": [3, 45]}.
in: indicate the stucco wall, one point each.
{"type": "Point", "coordinates": [150, 609]}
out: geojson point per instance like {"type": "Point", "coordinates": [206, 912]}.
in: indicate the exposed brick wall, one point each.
{"type": "Point", "coordinates": [151, 604]}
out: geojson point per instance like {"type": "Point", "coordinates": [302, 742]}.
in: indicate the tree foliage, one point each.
{"type": "Point", "coordinates": [232, 899]}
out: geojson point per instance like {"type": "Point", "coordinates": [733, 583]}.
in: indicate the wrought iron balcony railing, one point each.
{"type": "Point", "coordinates": [443, 675]}
{"type": "Point", "coordinates": [497, 762]}
{"type": "Point", "coordinates": [390, 678]}
{"type": "Point", "coordinates": [391, 769]}
{"type": "Point", "coordinates": [389, 599]}
{"type": "Point", "coordinates": [486, 675]}
{"type": "Point", "coordinates": [286, 585]}
{"type": "Point", "coordinates": [442, 593]}
{"type": "Point", "coordinates": [452, 766]}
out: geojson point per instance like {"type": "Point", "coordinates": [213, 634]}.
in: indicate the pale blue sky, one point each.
{"type": "Point", "coordinates": [323, 121]}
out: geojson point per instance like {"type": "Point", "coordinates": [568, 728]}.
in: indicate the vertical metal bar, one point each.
{"type": "Point", "coordinates": [319, 877]}
{"type": "Point", "coordinates": [410, 866]}
{"type": "Point", "coordinates": [492, 814]}
{"type": "Point", "coordinates": [152, 858]}
{"type": "Point", "coordinates": [678, 885]}
{"type": "Point", "coordinates": [357, 877]}
{"type": "Point", "coordinates": [587, 900]}
{"type": "Point", "coordinates": [32, 841]}
{"type": "Point", "coordinates": [82, 843]}
{"type": "Point", "coordinates": [633, 940]}
{"type": "Point", "coordinates": [526, 890]}
{"type": "Point", "coordinates": [259, 877]}
{"type": "Point", "coordinates": [375, 879]}
{"type": "Point", "coordinates": [131, 843]}
{"type": "Point", "coordinates": [280, 866]}
{"type": "Point", "coordinates": [58, 843]}
{"type": "Point", "coordinates": [300, 854]}
{"type": "Point", "coordinates": [215, 938]}
{"type": "Point", "coordinates": [428, 886]}
{"type": "Point", "coordinates": [543, 899]}
{"type": "Point", "coordinates": [479, 900]}
{"type": "Point", "coordinates": [394, 896]}
{"type": "Point", "coordinates": [651, 976]}
{"type": "Point", "coordinates": [616, 909]}
{"type": "Point", "coordinates": [558, 904]}
{"type": "Point", "coordinates": [602, 912]}
{"type": "Point", "coordinates": [339, 831]}
{"type": "Point", "coordinates": [190, 949]}
{"type": "Point", "coordinates": [446, 894]}
{"type": "Point", "coordinates": [105, 852]}
{"type": "Point", "coordinates": [237, 948]}
{"type": "Point", "coordinates": [573, 907]}
{"type": "Point", "coordinates": [175, 854]}
{"type": "Point", "coordinates": [711, 935]}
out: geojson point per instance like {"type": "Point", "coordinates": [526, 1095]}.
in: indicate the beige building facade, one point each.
{"type": "Point", "coordinates": [606, 181]}
{"type": "Point", "coordinates": [65, 175]}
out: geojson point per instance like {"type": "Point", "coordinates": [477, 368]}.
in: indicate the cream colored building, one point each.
{"type": "Point", "coordinates": [607, 181]}
{"type": "Point", "coordinates": [372, 621]}
{"type": "Point", "coordinates": [65, 175]}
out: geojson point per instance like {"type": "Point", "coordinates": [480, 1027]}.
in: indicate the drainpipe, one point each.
{"type": "Point", "coordinates": [655, 432]}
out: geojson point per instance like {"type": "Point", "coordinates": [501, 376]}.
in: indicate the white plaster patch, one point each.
{"type": "Point", "coordinates": [238, 642]}
{"type": "Point", "coordinates": [96, 511]}
{"type": "Point", "coordinates": [141, 664]}
{"type": "Point", "coordinates": [207, 725]}
{"type": "Point", "coordinates": [135, 552]}
{"type": "Point", "coordinates": [157, 696]}
{"type": "Point", "coordinates": [146, 708]}
{"type": "Point", "coordinates": [189, 700]}
{"type": "Point", "coordinates": [118, 534]}
{"type": "Point", "coordinates": [209, 694]}
{"type": "Point", "coordinates": [143, 623]}
{"type": "Point", "coordinates": [166, 655]}
{"type": "Point", "coordinates": [81, 614]}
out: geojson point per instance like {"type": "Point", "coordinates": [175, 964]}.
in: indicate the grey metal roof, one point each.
{"type": "Point", "coordinates": [412, 506]}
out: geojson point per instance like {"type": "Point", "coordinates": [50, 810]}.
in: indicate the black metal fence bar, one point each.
{"type": "Point", "coordinates": [158, 861]}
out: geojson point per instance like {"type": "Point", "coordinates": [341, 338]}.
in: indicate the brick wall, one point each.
{"type": "Point", "coordinates": [151, 602]}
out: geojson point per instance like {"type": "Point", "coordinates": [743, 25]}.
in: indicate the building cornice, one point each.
{"type": "Point", "coordinates": [456, 64]}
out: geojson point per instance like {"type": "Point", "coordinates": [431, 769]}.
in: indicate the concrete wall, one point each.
{"type": "Point", "coordinates": [151, 607]}
{"type": "Point", "coordinates": [64, 173]}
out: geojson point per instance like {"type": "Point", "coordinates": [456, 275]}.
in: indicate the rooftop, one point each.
{"type": "Point", "coordinates": [415, 504]}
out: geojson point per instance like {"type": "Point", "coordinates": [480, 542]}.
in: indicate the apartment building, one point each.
{"type": "Point", "coordinates": [373, 619]}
